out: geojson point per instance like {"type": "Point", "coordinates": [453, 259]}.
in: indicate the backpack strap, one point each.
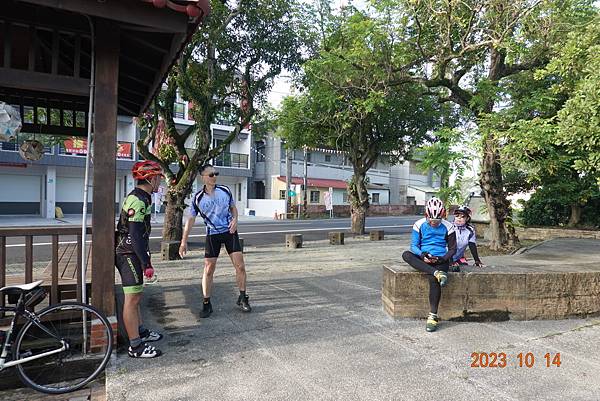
{"type": "Point", "coordinates": [196, 205]}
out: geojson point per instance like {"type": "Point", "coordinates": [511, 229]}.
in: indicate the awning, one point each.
{"type": "Point", "coordinates": [424, 188]}
{"type": "Point", "coordinates": [317, 182]}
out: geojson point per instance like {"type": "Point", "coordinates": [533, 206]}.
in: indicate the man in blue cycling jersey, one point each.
{"type": "Point", "coordinates": [433, 244]}
{"type": "Point", "coordinates": [215, 204]}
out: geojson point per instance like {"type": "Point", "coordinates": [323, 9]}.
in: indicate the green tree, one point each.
{"type": "Point", "coordinates": [351, 101]}
{"type": "Point", "coordinates": [467, 50]}
{"type": "Point", "coordinates": [554, 122]}
{"type": "Point", "coordinates": [225, 72]}
{"type": "Point", "coordinates": [445, 156]}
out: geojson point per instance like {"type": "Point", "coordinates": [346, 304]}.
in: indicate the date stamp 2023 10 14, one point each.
{"type": "Point", "coordinates": [520, 360]}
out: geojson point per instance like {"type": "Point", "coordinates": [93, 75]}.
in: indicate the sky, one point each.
{"type": "Point", "coordinates": [282, 86]}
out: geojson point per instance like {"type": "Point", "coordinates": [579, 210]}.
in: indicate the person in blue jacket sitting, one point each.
{"type": "Point", "coordinates": [433, 244]}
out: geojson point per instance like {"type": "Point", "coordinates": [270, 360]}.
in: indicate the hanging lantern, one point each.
{"type": "Point", "coordinates": [10, 122]}
{"type": "Point", "coordinates": [31, 150]}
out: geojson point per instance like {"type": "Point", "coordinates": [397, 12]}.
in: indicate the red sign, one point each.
{"type": "Point", "coordinates": [78, 146]}
{"type": "Point", "coordinates": [124, 150]}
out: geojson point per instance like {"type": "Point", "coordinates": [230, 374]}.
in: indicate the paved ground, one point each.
{"type": "Point", "coordinates": [318, 332]}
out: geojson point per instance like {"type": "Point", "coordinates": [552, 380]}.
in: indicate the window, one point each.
{"type": "Point", "coordinates": [375, 198]}
{"type": "Point", "coordinates": [314, 196]}
{"type": "Point", "coordinates": [260, 151]}
{"type": "Point", "coordinates": [345, 197]}
{"type": "Point", "coordinates": [327, 158]}
{"type": "Point", "coordinates": [282, 194]}
{"type": "Point", "coordinates": [179, 110]}
{"type": "Point", "coordinates": [239, 192]}
{"type": "Point", "coordinates": [308, 157]}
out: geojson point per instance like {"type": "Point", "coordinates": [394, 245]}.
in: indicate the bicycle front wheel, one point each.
{"type": "Point", "coordinates": [82, 330]}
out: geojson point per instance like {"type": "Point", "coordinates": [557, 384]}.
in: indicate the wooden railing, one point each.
{"type": "Point", "coordinates": [27, 276]}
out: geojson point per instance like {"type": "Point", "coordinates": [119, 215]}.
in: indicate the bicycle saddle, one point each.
{"type": "Point", "coordinates": [22, 287]}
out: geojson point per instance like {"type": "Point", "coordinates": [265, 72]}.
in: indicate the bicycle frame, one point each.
{"type": "Point", "coordinates": [20, 310]}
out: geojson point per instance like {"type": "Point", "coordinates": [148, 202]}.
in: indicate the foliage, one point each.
{"type": "Point", "coordinates": [354, 100]}
{"type": "Point", "coordinates": [225, 72]}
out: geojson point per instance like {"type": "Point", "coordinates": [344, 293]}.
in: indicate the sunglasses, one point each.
{"type": "Point", "coordinates": [211, 175]}
{"type": "Point", "coordinates": [435, 220]}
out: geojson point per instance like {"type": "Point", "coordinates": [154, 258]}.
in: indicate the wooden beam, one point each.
{"type": "Point", "coordinates": [55, 52]}
{"type": "Point", "coordinates": [43, 82]}
{"type": "Point", "coordinates": [166, 65]}
{"type": "Point", "coordinates": [77, 57]}
{"type": "Point", "coordinates": [138, 63]}
{"type": "Point", "coordinates": [145, 43]}
{"type": "Point", "coordinates": [54, 130]}
{"type": "Point", "coordinates": [32, 47]}
{"type": "Point", "coordinates": [129, 11]}
{"type": "Point", "coordinates": [7, 44]}
{"type": "Point", "coordinates": [105, 153]}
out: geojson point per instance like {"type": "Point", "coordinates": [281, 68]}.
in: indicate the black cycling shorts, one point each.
{"type": "Point", "coordinates": [212, 247]}
{"type": "Point", "coordinates": [132, 275]}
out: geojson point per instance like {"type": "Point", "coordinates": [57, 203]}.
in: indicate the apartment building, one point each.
{"type": "Point", "coordinates": [398, 184]}
{"type": "Point", "coordinates": [57, 180]}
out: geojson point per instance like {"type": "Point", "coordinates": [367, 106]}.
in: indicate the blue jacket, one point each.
{"type": "Point", "coordinates": [439, 241]}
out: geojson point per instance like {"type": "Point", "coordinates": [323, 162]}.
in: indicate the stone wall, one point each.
{"type": "Point", "coordinates": [494, 296]}
{"type": "Point", "coordinates": [374, 210]}
{"type": "Point", "coordinates": [541, 233]}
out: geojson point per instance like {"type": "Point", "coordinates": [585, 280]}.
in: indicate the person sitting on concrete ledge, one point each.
{"type": "Point", "coordinates": [433, 244]}
{"type": "Point", "coordinates": [465, 237]}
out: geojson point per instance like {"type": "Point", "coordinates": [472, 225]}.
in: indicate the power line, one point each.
{"type": "Point", "coordinates": [409, 180]}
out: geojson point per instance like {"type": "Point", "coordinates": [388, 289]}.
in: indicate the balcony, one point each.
{"type": "Point", "coordinates": [79, 148]}
{"type": "Point", "coordinates": [14, 147]}
{"type": "Point", "coordinates": [235, 160]}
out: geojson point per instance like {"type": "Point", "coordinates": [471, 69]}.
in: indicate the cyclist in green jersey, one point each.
{"type": "Point", "coordinates": [133, 257]}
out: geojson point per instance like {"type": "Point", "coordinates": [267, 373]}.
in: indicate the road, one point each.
{"type": "Point", "coordinates": [255, 233]}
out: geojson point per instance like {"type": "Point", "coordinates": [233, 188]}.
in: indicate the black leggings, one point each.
{"type": "Point", "coordinates": [435, 291]}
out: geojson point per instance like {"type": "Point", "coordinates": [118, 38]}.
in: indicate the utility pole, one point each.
{"type": "Point", "coordinates": [305, 199]}
{"type": "Point", "coordinates": [288, 181]}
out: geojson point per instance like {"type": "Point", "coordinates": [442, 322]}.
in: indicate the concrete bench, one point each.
{"type": "Point", "coordinates": [494, 293]}
{"type": "Point", "coordinates": [336, 238]}
{"type": "Point", "coordinates": [293, 240]}
{"type": "Point", "coordinates": [376, 235]}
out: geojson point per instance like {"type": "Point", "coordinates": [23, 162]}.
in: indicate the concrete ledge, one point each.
{"type": "Point", "coordinates": [541, 233]}
{"type": "Point", "coordinates": [336, 238]}
{"type": "Point", "coordinates": [494, 294]}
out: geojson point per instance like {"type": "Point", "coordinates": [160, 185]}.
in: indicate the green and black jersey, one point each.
{"type": "Point", "coordinates": [133, 228]}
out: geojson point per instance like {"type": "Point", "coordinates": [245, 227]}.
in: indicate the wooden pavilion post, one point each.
{"type": "Point", "coordinates": [105, 152]}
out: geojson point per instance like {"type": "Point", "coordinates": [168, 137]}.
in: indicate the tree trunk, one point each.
{"type": "Point", "coordinates": [495, 198]}
{"type": "Point", "coordinates": [173, 225]}
{"type": "Point", "coordinates": [575, 215]}
{"type": "Point", "coordinates": [359, 201]}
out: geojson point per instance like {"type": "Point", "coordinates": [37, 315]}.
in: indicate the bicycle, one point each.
{"type": "Point", "coordinates": [59, 349]}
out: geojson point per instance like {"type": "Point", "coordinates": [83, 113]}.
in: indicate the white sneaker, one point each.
{"type": "Point", "coordinates": [144, 351]}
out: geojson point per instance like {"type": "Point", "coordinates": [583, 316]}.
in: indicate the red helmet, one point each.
{"type": "Point", "coordinates": [146, 169]}
{"type": "Point", "coordinates": [434, 209]}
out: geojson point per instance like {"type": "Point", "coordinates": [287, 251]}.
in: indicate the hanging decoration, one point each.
{"type": "Point", "coordinates": [31, 150]}
{"type": "Point", "coordinates": [10, 122]}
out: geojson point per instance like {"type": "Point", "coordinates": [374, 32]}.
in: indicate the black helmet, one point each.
{"type": "Point", "coordinates": [464, 210]}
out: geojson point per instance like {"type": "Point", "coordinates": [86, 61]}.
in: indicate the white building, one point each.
{"type": "Point", "coordinates": [57, 180]}
{"type": "Point", "coordinates": [399, 184]}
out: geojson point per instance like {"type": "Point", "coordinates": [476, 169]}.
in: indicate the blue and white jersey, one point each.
{"type": "Point", "coordinates": [464, 235]}
{"type": "Point", "coordinates": [437, 241]}
{"type": "Point", "coordinates": [214, 209]}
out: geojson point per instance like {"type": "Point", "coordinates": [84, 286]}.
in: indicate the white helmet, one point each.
{"type": "Point", "coordinates": [434, 209]}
